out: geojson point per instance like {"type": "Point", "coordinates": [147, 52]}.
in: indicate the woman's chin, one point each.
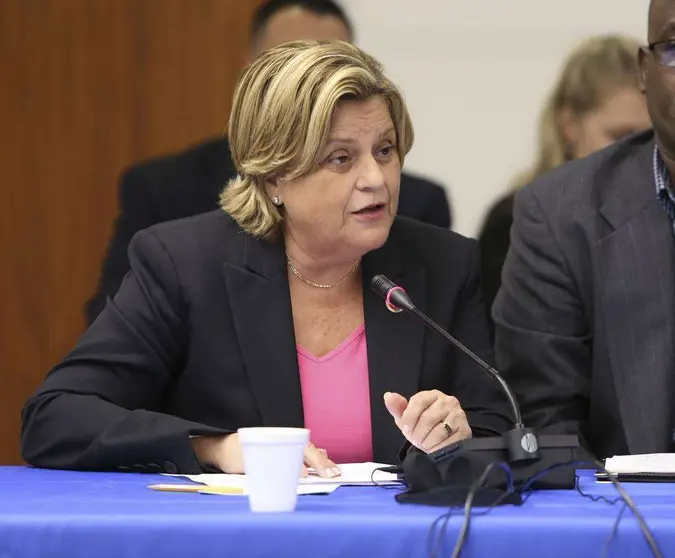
{"type": "Point", "coordinates": [374, 237]}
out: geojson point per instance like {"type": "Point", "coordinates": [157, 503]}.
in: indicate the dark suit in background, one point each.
{"type": "Point", "coordinates": [494, 245]}
{"type": "Point", "coordinates": [200, 340]}
{"type": "Point", "coordinates": [586, 314]}
{"type": "Point", "coordinates": [189, 183]}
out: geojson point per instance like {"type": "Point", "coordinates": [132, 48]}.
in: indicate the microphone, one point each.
{"type": "Point", "coordinates": [521, 446]}
{"type": "Point", "coordinates": [397, 299]}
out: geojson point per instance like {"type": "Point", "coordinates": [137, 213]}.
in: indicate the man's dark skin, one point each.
{"type": "Point", "coordinates": [658, 82]}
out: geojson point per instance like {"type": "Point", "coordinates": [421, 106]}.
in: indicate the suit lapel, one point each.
{"type": "Point", "coordinates": [636, 264]}
{"type": "Point", "coordinates": [261, 310]}
{"type": "Point", "coordinates": [395, 342]}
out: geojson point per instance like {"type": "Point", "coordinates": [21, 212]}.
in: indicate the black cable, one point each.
{"type": "Point", "coordinates": [613, 502]}
{"type": "Point", "coordinates": [646, 532]}
{"type": "Point", "coordinates": [433, 552]}
{"type": "Point", "coordinates": [469, 502]}
{"type": "Point", "coordinates": [464, 531]}
{"type": "Point", "coordinates": [434, 548]}
{"type": "Point", "coordinates": [387, 485]}
{"type": "Point", "coordinates": [534, 478]}
{"type": "Point", "coordinates": [651, 541]}
{"type": "Point", "coordinates": [510, 491]}
{"type": "Point", "coordinates": [594, 498]}
{"type": "Point", "coordinates": [526, 490]}
{"type": "Point", "coordinates": [615, 529]}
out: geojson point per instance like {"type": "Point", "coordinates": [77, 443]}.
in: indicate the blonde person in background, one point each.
{"type": "Point", "coordinates": [261, 314]}
{"type": "Point", "coordinates": [595, 102]}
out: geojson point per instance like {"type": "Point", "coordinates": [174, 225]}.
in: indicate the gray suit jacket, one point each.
{"type": "Point", "coordinates": [585, 319]}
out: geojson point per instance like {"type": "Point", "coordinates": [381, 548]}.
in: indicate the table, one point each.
{"type": "Point", "coordinates": [74, 514]}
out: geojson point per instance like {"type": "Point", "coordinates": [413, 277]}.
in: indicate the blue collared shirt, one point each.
{"type": "Point", "coordinates": [664, 187]}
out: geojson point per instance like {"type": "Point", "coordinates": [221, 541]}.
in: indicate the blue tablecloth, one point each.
{"type": "Point", "coordinates": [68, 514]}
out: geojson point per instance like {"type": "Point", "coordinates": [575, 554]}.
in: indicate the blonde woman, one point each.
{"type": "Point", "coordinates": [595, 102]}
{"type": "Point", "coordinates": [261, 313]}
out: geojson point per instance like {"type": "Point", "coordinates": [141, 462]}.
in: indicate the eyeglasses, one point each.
{"type": "Point", "coordinates": [663, 52]}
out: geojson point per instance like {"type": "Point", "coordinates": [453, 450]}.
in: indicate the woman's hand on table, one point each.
{"type": "Point", "coordinates": [225, 453]}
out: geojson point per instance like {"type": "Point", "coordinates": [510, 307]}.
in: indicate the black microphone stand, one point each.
{"type": "Point", "coordinates": [453, 469]}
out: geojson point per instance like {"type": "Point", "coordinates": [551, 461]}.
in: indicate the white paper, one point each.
{"type": "Point", "coordinates": [642, 463]}
{"type": "Point", "coordinates": [353, 474]}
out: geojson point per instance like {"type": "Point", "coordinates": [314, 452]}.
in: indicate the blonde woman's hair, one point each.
{"type": "Point", "coordinates": [281, 116]}
{"type": "Point", "coordinates": [596, 67]}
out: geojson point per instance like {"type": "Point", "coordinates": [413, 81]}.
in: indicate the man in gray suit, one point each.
{"type": "Point", "coordinates": [586, 315]}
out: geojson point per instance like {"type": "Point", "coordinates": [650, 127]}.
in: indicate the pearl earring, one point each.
{"type": "Point", "coordinates": [276, 200]}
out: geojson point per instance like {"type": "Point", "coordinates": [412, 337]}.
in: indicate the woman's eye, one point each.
{"type": "Point", "coordinates": [339, 160]}
{"type": "Point", "coordinates": [386, 151]}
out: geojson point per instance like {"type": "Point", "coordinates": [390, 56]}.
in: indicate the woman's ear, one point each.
{"type": "Point", "coordinates": [272, 189]}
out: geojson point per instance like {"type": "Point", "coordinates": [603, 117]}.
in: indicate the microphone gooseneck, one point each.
{"type": "Point", "coordinates": [397, 297]}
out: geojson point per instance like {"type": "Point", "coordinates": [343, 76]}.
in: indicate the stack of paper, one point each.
{"type": "Point", "coordinates": [643, 463]}
{"type": "Point", "coordinates": [642, 467]}
{"type": "Point", "coordinates": [354, 474]}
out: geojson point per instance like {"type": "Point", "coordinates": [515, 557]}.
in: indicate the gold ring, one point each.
{"type": "Point", "coordinates": [448, 428]}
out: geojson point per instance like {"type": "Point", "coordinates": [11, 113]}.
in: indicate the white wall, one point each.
{"type": "Point", "coordinates": [475, 74]}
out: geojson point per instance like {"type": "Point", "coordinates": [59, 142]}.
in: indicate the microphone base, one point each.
{"type": "Point", "coordinates": [445, 476]}
{"type": "Point", "coordinates": [454, 496]}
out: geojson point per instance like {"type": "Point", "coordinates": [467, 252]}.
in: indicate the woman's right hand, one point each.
{"type": "Point", "coordinates": [224, 453]}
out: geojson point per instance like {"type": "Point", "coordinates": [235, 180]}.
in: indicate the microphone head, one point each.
{"type": "Point", "coordinates": [394, 296]}
{"type": "Point", "coordinates": [382, 285]}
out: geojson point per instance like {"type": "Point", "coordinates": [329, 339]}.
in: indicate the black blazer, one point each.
{"type": "Point", "coordinates": [200, 339]}
{"type": "Point", "coordinates": [586, 313]}
{"type": "Point", "coordinates": [189, 183]}
{"type": "Point", "coordinates": [494, 241]}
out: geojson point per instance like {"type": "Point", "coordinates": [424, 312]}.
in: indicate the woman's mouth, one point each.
{"type": "Point", "coordinates": [371, 212]}
{"type": "Point", "coordinates": [370, 209]}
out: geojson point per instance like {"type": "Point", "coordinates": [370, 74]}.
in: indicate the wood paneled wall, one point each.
{"type": "Point", "coordinates": [88, 87]}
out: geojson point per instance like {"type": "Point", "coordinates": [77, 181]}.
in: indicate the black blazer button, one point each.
{"type": "Point", "coordinates": [154, 467]}
{"type": "Point", "coordinates": [123, 468]}
{"type": "Point", "coordinates": [170, 468]}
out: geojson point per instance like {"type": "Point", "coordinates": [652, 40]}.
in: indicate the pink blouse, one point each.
{"type": "Point", "coordinates": [336, 399]}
